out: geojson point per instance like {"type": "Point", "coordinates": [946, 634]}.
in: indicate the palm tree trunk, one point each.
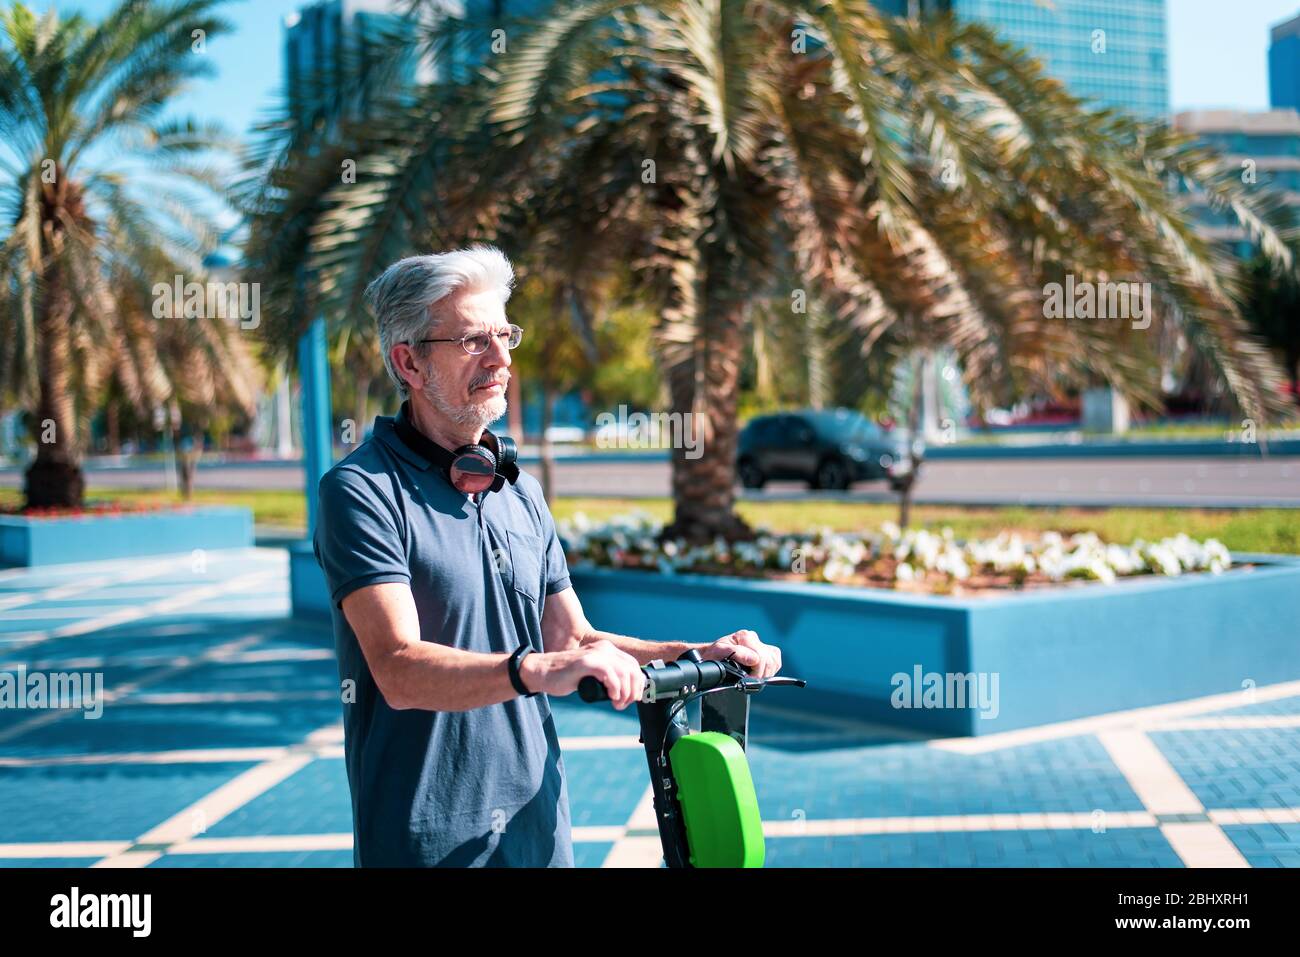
{"type": "Point", "coordinates": [548, 454]}
{"type": "Point", "coordinates": [112, 427]}
{"type": "Point", "coordinates": [515, 409]}
{"type": "Point", "coordinates": [818, 358]}
{"type": "Point", "coordinates": [54, 478]}
{"type": "Point", "coordinates": [187, 461]}
{"type": "Point", "coordinates": [704, 493]}
{"type": "Point", "coordinates": [548, 388]}
{"type": "Point", "coordinates": [913, 455]}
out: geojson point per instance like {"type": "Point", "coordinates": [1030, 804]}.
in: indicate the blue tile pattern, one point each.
{"type": "Point", "coordinates": [59, 781]}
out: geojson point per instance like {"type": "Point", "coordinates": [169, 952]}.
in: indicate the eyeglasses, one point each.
{"type": "Point", "coordinates": [477, 343]}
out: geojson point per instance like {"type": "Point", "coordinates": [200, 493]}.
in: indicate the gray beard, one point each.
{"type": "Point", "coordinates": [473, 416]}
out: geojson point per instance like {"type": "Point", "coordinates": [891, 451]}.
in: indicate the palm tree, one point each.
{"type": "Point", "coordinates": [928, 179]}
{"type": "Point", "coordinates": [96, 200]}
{"type": "Point", "coordinates": [925, 179]}
{"type": "Point", "coordinates": [1273, 309]}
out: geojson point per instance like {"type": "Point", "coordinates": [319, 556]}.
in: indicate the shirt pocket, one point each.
{"type": "Point", "coordinates": [525, 563]}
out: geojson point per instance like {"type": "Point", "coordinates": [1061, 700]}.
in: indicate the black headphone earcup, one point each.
{"type": "Point", "coordinates": [473, 469]}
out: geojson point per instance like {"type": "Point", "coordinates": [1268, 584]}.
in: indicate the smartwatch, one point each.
{"type": "Point", "coordinates": [515, 679]}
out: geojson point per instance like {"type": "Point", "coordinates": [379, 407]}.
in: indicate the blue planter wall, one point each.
{"type": "Point", "coordinates": [1057, 654]}
{"type": "Point", "coordinates": [308, 594]}
{"type": "Point", "coordinates": [84, 538]}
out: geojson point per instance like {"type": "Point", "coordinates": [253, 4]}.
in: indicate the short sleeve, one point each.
{"type": "Point", "coordinates": [357, 542]}
{"type": "Point", "coordinates": [557, 566]}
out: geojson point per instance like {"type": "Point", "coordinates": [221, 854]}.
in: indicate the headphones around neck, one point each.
{"type": "Point", "coordinates": [472, 468]}
{"type": "Point", "coordinates": [475, 468]}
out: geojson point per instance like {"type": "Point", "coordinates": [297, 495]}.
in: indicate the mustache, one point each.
{"type": "Point", "coordinates": [489, 381]}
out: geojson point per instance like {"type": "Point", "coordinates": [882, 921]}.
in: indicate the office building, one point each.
{"type": "Point", "coordinates": [1266, 147]}
{"type": "Point", "coordinates": [1111, 51]}
{"type": "Point", "coordinates": [326, 43]}
{"type": "Point", "coordinates": [1284, 65]}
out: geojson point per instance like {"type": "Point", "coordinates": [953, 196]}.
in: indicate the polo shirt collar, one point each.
{"type": "Point", "coordinates": [427, 450]}
{"type": "Point", "coordinates": [392, 438]}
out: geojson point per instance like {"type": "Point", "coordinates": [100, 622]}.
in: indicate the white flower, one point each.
{"type": "Point", "coordinates": [1124, 561]}
{"type": "Point", "coordinates": [632, 539]}
{"type": "Point", "coordinates": [1218, 553]}
{"type": "Point", "coordinates": [950, 562]}
{"type": "Point", "coordinates": [1164, 559]}
{"type": "Point", "coordinates": [838, 570]}
{"type": "Point", "coordinates": [1098, 569]}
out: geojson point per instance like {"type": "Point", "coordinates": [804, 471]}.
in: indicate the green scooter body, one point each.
{"type": "Point", "coordinates": [718, 802]}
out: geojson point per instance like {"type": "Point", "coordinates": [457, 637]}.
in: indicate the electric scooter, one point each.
{"type": "Point", "coordinates": [704, 797]}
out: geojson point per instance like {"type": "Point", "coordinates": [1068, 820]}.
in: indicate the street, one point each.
{"type": "Point", "coordinates": [1161, 482]}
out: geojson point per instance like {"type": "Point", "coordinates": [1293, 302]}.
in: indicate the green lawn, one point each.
{"type": "Point", "coordinates": [1142, 433]}
{"type": "Point", "coordinates": [1253, 530]}
{"type": "Point", "coordinates": [1243, 530]}
{"type": "Point", "coordinates": [269, 508]}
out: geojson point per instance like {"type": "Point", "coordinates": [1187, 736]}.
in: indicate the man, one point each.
{"type": "Point", "coordinates": [454, 619]}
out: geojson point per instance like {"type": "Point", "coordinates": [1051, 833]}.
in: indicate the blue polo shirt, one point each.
{"type": "Point", "coordinates": [484, 787]}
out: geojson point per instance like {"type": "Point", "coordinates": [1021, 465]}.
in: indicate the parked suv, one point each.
{"type": "Point", "coordinates": [828, 448]}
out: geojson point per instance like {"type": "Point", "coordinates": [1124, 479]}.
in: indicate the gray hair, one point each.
{"type": "Point", "coordinates": [402, 298]}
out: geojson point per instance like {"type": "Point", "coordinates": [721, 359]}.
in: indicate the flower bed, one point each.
{"type": "Point", "coordinates": [95, 508]}
{"type": "Point", "coordinates": [913, 560]}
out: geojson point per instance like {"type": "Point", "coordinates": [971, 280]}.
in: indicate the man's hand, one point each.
{"type": "Point", "coordinates": [760, 660]}
{"type": "Point", "coordinates": [558, 672]}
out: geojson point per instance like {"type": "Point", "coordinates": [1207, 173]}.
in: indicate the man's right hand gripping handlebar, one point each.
{"type": "Point", "coordinates": [558, 673]}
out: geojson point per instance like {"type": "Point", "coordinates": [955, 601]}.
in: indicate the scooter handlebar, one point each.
{"type": "Point", "coordinates": [666, 681]}
{"type": "Point", "coordinates": [591, 690]}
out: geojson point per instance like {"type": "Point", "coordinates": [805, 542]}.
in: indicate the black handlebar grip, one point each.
{"type": "Point", "coordinates": [590, 689]}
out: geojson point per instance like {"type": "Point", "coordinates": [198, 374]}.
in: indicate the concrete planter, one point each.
{"type": "Point", "coordinates": [1042, 656]}
{"type": "Point", "coordinates": [83, 538]}
{"type": "Point", "coordinates": [308, 593]}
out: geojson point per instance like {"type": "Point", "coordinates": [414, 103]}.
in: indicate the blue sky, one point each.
{"type": "Point", "coordinates": [1218, 51]}
{"type": "Point", "coordinates": [249, 60]}
{"type": "Point", "coordinates": [1217, 54]}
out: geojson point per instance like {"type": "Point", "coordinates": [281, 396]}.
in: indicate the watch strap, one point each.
{"type": "Point", "coordinates": [515, 679]}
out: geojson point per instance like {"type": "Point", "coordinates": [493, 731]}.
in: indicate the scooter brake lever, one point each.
{"type": "Point", "coordinates": [752, 685]}
{"type": "Point", "coordinates": [797, 682]}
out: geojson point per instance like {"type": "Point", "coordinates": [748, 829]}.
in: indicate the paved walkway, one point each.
{"type": "Point", "coordinates": [220, 744]}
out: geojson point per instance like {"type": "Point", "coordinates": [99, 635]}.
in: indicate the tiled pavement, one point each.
{"type": "Point", "coordinates": [220, 744]}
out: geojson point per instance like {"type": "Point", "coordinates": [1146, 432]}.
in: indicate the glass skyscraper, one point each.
{"type": "Point", "coordinates": [1110, 51]}
{"type": "Point", "coordinates": [1284, 65]}
{"type": "Point", "coordinates": [1266, 145]}
{"type": "Point", "coordinates": [325, 42]}
{"type": "Point", "coordinates": [330, 39]}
